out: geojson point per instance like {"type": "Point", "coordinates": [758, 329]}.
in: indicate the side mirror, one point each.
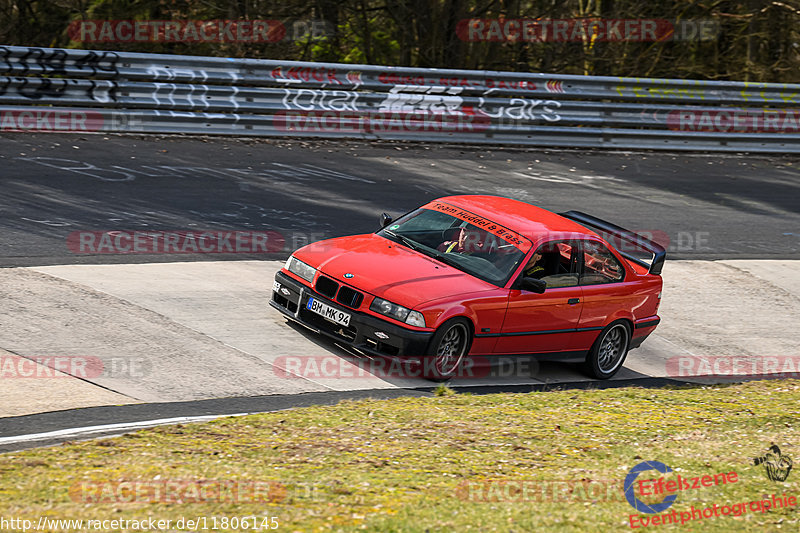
{"type": "Point", "coordinates": [533, 285]}
{"type": "Point", "coordinates": [385, 220]}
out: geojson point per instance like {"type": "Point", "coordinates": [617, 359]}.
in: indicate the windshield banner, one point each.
{"type": "Point", "coordinates": [495, 229]}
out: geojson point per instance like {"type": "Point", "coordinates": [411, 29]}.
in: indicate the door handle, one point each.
{"type": "Point", "coordinates": [573, 301]}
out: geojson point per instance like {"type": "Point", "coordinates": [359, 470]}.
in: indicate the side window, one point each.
{"type": "Point", "coordinates": [565, 261]}
{"type": "Point", "coordinates": [553, 262]}
{"type": "Point", "coordinates": [600, 265]}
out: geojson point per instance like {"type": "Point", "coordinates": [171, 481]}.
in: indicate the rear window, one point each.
{"type": "Point", "coordinates": [600, 265]}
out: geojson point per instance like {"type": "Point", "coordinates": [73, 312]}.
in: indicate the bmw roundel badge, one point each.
{"type": "Point", "coordinates": [348, 275]}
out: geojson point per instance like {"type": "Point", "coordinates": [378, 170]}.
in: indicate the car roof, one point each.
{"type": "Point", "coordinates": [533, 222]}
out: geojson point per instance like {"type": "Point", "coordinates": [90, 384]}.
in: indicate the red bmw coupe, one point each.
{"type": "Point", "coordinates": [480, 275]}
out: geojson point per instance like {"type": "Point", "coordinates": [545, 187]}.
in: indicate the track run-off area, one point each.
{"type": "Point", "coordinates": [86, 324]}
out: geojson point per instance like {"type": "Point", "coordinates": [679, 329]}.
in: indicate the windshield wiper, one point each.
{"type": "Point", "coordinates": [424, 250]}
{"type": "Point", "coordinates": [447, 260]}
{"type": "Point", "coordinates": [405, 240]}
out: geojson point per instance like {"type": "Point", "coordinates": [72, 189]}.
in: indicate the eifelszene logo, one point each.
{"type": "Point", "coordinates": [775, 464]}
{"type": "Point", "coordinates": [669, 487]}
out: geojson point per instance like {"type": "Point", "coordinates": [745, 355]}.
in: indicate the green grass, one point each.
{"type": "Point", "coordinates": [402, 465]}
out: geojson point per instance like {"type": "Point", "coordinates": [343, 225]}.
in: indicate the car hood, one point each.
{"type": "Point", "coordinates": [388, 269]}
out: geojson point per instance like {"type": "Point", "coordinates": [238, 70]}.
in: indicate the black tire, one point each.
{"type": "Point", "coordinates": [609, 351]}
{"type": "Point", "coordinates": [447, 349]}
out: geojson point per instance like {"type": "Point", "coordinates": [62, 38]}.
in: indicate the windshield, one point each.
{"type": "Point", "coordinates": [462, 240]}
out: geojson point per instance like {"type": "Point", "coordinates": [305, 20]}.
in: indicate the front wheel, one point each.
{"type": "Point", "coordinates": [609, 350]}
{"type": "Point", "coordinates": [447, 349]}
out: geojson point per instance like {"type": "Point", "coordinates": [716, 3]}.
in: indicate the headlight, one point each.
{"type": "Point", "coordinates": [387, 308]}
{"type": "Point", "coordinates": [398, 312]}
{"type": "Point", "coordinates": [295, 266]}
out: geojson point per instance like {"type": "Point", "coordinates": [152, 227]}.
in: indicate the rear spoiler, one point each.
{"type": "Point", "coordinates": [655, 265]}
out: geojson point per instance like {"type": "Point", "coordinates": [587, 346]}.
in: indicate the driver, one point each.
{"type": "Point", "coordinates": [464, 241]}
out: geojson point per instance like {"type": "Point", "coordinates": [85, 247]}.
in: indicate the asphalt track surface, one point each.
{"type": "Point", "coordinates": [709, 206]}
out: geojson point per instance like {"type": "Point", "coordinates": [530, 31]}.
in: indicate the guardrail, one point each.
{"type": "Point", "coordinates": [45, 89]}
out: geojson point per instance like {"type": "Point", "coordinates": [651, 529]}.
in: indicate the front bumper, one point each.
{"type": "Point", "coordinates": [291, 298]}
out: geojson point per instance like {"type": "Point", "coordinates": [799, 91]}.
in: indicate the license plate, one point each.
{"type": "Point", "coordinates": [327, 312]}
{"type": "Point", "coordinates": [276, 287]}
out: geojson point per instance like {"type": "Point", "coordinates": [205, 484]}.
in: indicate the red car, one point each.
{"type": "Point", "coordinates": [480, 275]}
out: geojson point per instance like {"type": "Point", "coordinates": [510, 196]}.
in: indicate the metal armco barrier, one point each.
{"type": "Point", "coordinates": [45, 89]}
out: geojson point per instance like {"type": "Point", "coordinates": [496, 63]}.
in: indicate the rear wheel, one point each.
{"type": "Point", "coordinates": [609, 350]}
{"type": "Point", "coordinates": [447, 349]}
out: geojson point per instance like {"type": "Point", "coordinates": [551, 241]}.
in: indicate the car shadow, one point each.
{"type": "Point", "coordinates": [496, 373]}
